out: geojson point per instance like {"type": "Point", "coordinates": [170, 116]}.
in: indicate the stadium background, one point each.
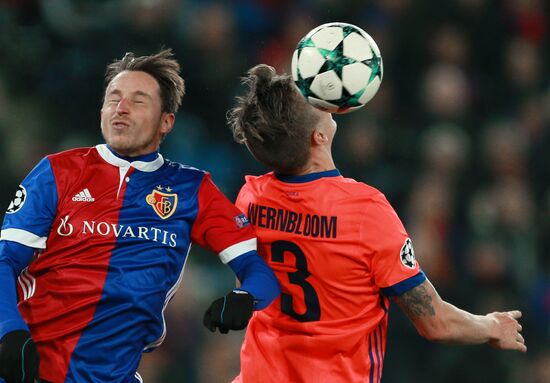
{"type": "Point", "coordinates": [458, 138]}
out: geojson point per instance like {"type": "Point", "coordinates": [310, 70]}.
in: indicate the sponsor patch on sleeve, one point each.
{"type": "Point", "coordinates": [18, 201]}
{"type": "Point", "coordinates": [241, 221]}
{"type": "Point", "coordinates": [407, 254]}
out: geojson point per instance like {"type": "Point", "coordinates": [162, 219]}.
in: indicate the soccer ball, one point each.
{"type": "Point", "coordinates": [337, 67]}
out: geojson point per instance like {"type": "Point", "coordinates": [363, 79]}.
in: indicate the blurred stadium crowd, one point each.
{"type": "Point", "coordinates": [458, 138]}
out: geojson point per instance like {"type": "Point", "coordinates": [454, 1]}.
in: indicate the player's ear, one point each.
{"type": "Point", "coordinates": [167, 122]}
{"type": "Point", "coordinates": [318, 137]}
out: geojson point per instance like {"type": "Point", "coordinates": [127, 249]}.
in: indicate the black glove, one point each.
{"type": "Point", "coordinates": [231, 312]}
{"type": "Point", "coordinates": [18, 358]}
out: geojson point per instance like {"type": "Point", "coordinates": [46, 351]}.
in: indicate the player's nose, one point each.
{"type": "Point", "coordinates": [123, 106]}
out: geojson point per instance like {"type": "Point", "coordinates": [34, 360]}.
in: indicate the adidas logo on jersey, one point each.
{"type": "Point", "coordinates": [84, 196]}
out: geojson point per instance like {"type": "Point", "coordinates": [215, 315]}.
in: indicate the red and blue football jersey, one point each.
{"type": "Point", "coordinates": [113, 237]}
{"type": "Point", "coordinates": [338, 250]}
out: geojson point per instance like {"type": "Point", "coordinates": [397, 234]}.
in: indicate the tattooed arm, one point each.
{"type": "Point", "coordinates": [440, 321]}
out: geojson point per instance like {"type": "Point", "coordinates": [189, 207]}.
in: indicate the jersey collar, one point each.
{"type": "Point", "coordinates": [147, 163]}
{"type": "Point", "coordinates": [307, 177]}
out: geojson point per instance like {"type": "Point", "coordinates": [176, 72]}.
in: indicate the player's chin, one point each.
{"type": "Point", "coordinates": [119, 144]}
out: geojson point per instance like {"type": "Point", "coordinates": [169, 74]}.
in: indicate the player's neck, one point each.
{"type": "Point", "coordinates": [319, 161]}
{"type": "Point", "coordinates": [146, 157]}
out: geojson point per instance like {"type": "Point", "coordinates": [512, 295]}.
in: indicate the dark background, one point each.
{"type": "Point", "coordinates": [458, 138]}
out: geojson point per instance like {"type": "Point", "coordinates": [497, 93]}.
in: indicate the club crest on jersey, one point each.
{"type": "Point", "coordinates": [18, 201]}
{"type": "Point", "coordinates": [407, 254]}
{"type": "Point", "coordinates": [164, 204]}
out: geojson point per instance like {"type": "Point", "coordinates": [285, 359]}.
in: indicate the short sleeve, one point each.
{"type": "Point", "coordinates": [392, 262]}
{"type": "Point", "coordinates": [30, 214]}
{"type": "Point", "coordinates": [220, 226]}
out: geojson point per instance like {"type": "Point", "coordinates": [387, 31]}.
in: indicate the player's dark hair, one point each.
{"type": "Point", "coordinates": [162, 66]}
{"type": "Point", "coordinates": [273, 120]}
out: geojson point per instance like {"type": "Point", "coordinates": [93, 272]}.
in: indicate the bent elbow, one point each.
{"type": "Point", "coordinates": [436, 332]}
{"type": "Point", "coordinates": [432, 336]}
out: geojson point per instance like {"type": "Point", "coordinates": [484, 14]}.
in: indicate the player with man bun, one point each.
{"type": "Point", "coordinates": [338, 249]}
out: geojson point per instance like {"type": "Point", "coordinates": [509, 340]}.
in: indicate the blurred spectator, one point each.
{"type": "Point", "coordinates": [446, 92]}
{"type": "Point", "coordinates": [523, 69]}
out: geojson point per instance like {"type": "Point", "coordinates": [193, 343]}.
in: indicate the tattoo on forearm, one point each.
{"type": "Point", "coordinates": [417, 302]}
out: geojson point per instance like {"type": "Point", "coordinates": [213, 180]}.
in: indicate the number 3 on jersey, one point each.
{"type": "Point", "coordinates": [298, 277]}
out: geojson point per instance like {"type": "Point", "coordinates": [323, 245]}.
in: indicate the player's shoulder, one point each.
{"type": "Point", "coordinates": [184, 171]}
{"type": "Point", "coordinates": [76, 152]}
{"type": "Point", "coordinates": [260, 182]}
{"type": "Point", "coordinates": [328, 186]}
{"type": "Point", "coordinates": [354, 196]}
{"type": "Point", "coordinates": [353, 188]}
{"type": "Point", "coordinates": [259, 179]}
{"type": "Point", "coordinates": [71, 156]}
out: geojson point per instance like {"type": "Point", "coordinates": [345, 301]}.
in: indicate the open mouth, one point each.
{"type": "Point", "coordinates": [120, 124]}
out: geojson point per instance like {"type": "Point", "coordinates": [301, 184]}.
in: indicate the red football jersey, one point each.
{"type": "Point", "coordinates": [115, 237]}
{"type": "Point", "coordinates": [338, 250]}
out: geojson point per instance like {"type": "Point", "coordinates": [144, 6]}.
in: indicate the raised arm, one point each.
{"type": "Point", "coordinates": [440, 321]}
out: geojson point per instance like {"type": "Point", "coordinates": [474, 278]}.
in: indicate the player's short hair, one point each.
{"type": "Point", "coordinates": [273, 120]}
{"type": "Point", "coordinates": [162, 66]}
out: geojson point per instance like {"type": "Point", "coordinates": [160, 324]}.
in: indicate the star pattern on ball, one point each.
{"type": "Point", "coordinates": [306, 42]}
{"type": "Point", "coordinates": [375, 65]}
{"type": "Point", "coordinates": [335, 60]}
{"type": "Point", "coordinates": [304, 83]}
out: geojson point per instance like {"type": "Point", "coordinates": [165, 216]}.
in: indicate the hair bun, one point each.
{"type": "Point", "coordinates": [263, 75]}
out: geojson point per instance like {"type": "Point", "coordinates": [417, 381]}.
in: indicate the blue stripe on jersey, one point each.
{"type": "Point", "coordinates": [371, 374]}
{"type": "Point", "coordinates": [381, 352]}
{"type": "Point", "coordinates": [377, 353]}
{"type": "Point", "coordinates": [307, 177]}
{"type": "Point", "coordinates": [404, 286]}
{"type": "Point", "coordinates": [139, 284]}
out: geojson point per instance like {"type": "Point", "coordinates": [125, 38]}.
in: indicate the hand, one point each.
{"type": "Point", "coordinates": [19, 360]}
{"type": "Point", "coordinates": [508, 331]}
{"type": "Point", "coordinates": [231, 312]}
